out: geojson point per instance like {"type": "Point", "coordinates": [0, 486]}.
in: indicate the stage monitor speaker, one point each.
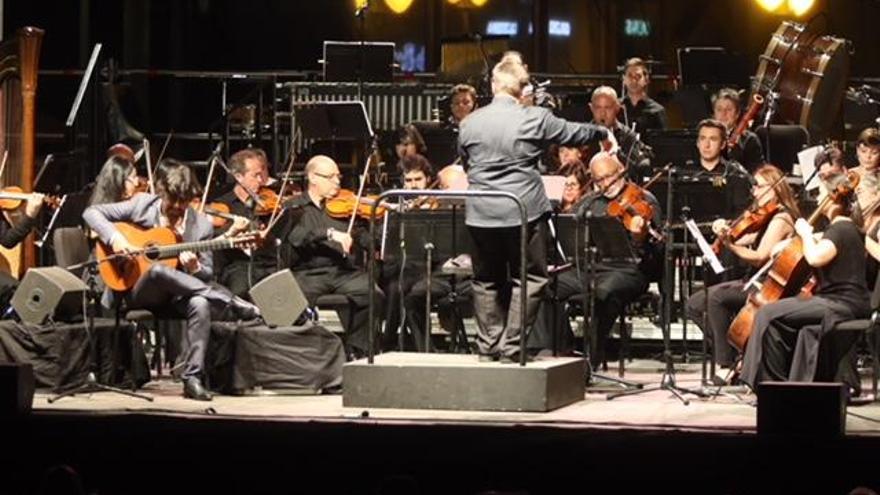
{"type": "Point", "coordinates": [16, 389]}
{"type": "Point", "coordinates": [279, 298]}
{"type": "Point", "coordinates": [802, 409]}
{"type": "Point", "coordinates": [48, 292]}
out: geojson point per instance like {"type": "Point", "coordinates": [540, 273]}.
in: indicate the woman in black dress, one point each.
{"type": "Point", "coordinates": [784, 344]}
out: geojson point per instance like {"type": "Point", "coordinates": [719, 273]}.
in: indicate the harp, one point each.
{"type": "Point", "coordinates": [19, 62]}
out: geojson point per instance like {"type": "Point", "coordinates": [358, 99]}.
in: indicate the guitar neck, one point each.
{"type": "Point", "coordinates": [173, 250]}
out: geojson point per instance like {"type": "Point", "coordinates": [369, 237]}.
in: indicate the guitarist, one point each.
{"type": "Point", "coordinates": [187, 289]}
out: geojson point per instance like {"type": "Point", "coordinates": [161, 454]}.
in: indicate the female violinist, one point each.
{"type": "Point", "coordinates": [784, 344]}
{"type": "Point", "coordinates": [770, 220]}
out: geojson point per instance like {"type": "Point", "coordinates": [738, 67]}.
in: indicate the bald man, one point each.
{"type": "Point", "coordinates": [605, 108]}
{"type": "Point", "coordinates": [618, 283]}
{"type": "Point", "coordinates": [321, 252]}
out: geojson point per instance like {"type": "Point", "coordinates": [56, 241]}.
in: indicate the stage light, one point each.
{"type": "Point", "coordinates": [467, 4]}
{"type": "Point", "coordinates": [398, 6]}
{"type": "Point", "coordinates": [800, 7]}
{"type": "Point", "coordinates": [770, 5]}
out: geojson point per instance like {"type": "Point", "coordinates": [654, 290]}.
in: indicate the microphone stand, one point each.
{"type": "Point", "coordinates": [361, 14]}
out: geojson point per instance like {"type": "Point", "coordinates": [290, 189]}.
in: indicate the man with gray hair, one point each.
{"type": "Point", "coordinates": [500, 145]}
{"type": "Point", "coordinates": [605, 108]}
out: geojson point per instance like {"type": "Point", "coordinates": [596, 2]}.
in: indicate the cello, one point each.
{"type": "Point", "coordinates": [786, 273]}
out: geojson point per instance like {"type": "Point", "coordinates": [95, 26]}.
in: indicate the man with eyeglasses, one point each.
{"type": "Point", "coordinates": [321, 252]}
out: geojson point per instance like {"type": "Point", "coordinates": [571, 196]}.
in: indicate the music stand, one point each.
{"type": "Point", "coordinates": [667, 381]}
{"type": "Point", "coordinates": [441, 141]}
{"type": "Point", "coordinates": [334, 120]}
{"type": "Point", "coordinates": [605, 241]}
{"type": "Point", "coordinates": [343, 61]}
{"type": "Point", "coordinates": [439, 233]}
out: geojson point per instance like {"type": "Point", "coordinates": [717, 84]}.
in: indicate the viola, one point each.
{"type": "Point", "coordinates": [269, 200]}
{"type": "Point", "coordinates": [786, 274]}
{"type": "Point", "coordinates": [345, 204]}
{"type": "Point", "coordinates": [752, 220]}
{"type": "Point", "coordinates": [12, 197]}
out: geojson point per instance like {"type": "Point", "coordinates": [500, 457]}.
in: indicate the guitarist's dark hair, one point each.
{"type": "Point", "coordinates": [175, 180]}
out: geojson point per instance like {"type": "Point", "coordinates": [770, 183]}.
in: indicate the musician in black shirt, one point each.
{"type": "Point", "coordinates": [638, 107]}
{"type": "Point", "coordinates": [784, 344]}
{"type": "Point", "coordinates": [11, 234]}
{"type": "Point", "coordinates": [320, 252]}
{"type": "Point", "coordinates": [240, 269]}
{"type": "Point", "coordinates": [727, 109]}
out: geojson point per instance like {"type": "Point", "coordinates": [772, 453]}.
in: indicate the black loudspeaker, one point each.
{"type": "Point", "coordinates": [802, 409]}
{"type": "Point", "coordinates": [48, 292]}
{"type": "Point", "coordinates": [279, 298]}
{"type": "Point", "coordinates": [16, 389]}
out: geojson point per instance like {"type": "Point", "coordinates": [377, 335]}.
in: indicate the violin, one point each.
{"type": "Point", "coordinates": [13, 197]}
{"type": "Point", "coordinates": [786, 274]}
{"type": "Point", "coordinates": [632, 202]}
{"type": "Point", "coordinates": [345, 203]}
{"type": "Point", "coordinates": [269, 200]}
{"type": "Point", "coordinates": [752, 220]}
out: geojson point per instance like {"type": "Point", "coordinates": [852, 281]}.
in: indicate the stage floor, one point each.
{"type": "Point", "coordinates": [732, 412]}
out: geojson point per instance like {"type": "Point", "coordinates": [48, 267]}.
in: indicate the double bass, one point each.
{"type": "Point", "coordinates": [786, 274]}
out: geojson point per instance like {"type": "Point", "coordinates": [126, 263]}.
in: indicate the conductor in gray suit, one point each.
{"type": "Point", "coordinates": [186, 290]}
{"type": "Point", "coordinates": [500, 145]}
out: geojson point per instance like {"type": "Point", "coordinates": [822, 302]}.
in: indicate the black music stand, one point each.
{"type": "Point", "coordinates": [432, 233]}
{"type": "Point", "coordinates": [357, 61]}
{"type": "Point", "coordinates": [605, 241]}
{"type": "Point", "coordinates": [335, 121]}
{"type": "Point", "coordinates": [667, 381]}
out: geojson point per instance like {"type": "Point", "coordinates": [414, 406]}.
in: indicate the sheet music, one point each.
{"type": "Point", "coordinates": [806, 161]}
{"type": "Point", "coordinates": [705, 247]}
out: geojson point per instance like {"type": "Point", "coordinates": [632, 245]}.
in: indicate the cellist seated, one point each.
{"type": "Point", "coordinates": [785, 337]}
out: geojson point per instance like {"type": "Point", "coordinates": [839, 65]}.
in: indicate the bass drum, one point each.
{"type": "Point", "coordinates": [809, 73]}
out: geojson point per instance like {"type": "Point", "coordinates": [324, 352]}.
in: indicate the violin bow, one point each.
{"type": "Point", "coordinates": [3, 164]}
{"type": "Point", "coordinates": [164, 147]}
{"type": "Point", "coordinates": [291, 158]}
{"type": "Point", "coordinates": [360, 193]}
{"type": "Point", "coordinates": [149, 166]}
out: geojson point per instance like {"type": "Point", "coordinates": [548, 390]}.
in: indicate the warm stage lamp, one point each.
{"type": "Point", "coordinates": [398, 6]}
{"type": "Point", "coordinates": [467, 4]}
{"type": "Point", "coordinates": [769, 5]}
{"type": "Point", "coordinates": [800, 7]}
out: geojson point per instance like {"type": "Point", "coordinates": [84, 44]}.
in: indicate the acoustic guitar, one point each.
{"type": "Point", "coordinates": [121, 271]}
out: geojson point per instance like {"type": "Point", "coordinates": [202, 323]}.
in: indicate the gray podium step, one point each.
{"type": "Point", "coordinates": [408, 380]}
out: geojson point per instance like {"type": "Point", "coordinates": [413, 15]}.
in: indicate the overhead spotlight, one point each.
{"type": "Point", "coordinates": [467, 4]}
{"type": "Point", "coordinates": [770, 5]}
{"type": "Point", "coordinates": [398, 6]}
{"type": "Point", "coordinates": [800, 7]}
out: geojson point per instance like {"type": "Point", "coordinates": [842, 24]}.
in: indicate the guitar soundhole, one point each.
{"type": "Point", "coordinates": [151, 253]}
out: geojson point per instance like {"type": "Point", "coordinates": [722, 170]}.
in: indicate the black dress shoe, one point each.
{"type": "Point", "coordinates": [193, 389]}
{"type": "Point", "coordinates": [244, 309]}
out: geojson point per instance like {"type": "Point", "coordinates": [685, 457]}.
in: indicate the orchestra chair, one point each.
{"type": "Point", "coordinates": [867, 327]}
